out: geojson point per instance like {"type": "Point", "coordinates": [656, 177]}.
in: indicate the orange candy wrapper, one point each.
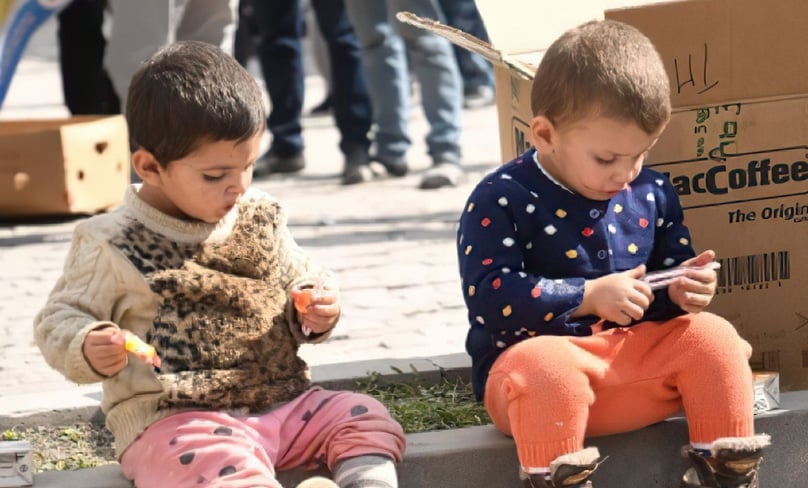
{"type": "Point", "coordinates": [304, 297]}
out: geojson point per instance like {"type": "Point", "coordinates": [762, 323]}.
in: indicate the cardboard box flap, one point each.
{"type": "Point", "coordinates": [524, 64]}
{"type": "Point", "coordinates": [519, 26]}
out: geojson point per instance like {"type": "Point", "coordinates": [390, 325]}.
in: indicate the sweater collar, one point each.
{"type": "Point", "coordinates": [176, 229]}
{"type": "Point", "coordinates": [567, 199]}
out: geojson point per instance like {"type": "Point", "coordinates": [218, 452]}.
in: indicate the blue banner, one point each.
{"type": "Point", "coordinates": [19, 19]}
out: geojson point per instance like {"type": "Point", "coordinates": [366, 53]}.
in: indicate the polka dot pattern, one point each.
{"type": "Point", "coordinates": [552, 238]}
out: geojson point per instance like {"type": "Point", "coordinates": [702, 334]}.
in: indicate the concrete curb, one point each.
{"type": "Point", "coordinates": [483, 457]}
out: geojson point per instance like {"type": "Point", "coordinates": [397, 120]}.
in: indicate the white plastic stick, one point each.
{"type": "Point", "coordinates": [663, 278]}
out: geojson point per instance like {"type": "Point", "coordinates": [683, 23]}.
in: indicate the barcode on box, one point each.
{"type": "Point", "coordinates": [754, 269]}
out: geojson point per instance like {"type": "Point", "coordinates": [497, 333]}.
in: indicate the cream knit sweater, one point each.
{"type": "Point", "coordinates": [212, 298]}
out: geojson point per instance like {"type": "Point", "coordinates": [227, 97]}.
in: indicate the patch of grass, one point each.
{"type": "Point", "coordinates": [10, 435]}
{"type": "Point", "coordinates": [418, 405]}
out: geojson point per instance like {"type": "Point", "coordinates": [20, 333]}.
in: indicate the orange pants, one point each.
{"type": "Point", "coordinates": [549, 392]}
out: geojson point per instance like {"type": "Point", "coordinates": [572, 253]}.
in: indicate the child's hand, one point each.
{"type": "Point", "coordinates": [618, 297]}
{"type": "Point", "coordinates": [104, 350]}
{"type": "Point", "coordinates": [317, 310]}
{"type": "Point", "coordinates": [695, 290]}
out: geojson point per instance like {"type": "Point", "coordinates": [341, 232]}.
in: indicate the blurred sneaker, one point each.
{"type": "Point", "coordinates": [478, 96]}
{"type": "Point", "coordinates": [352, 175]}
{"type": "Point", "coordinates": [441, 175]}
{"type": "Point", "coordinates": [357, 167]}
{"type": "Point", "coordinates": [395, 166]}
{"type": "Point", "coordinates": [272, 162]}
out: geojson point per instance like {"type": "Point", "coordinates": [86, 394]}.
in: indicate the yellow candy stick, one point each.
{"type": "Point", "coordinates": [145, 351]}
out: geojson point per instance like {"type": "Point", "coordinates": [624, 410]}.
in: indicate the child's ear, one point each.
{"type": "Point", "coordinates": [147, 167]}
{"type": "Point", "coordinates": [542, 134]}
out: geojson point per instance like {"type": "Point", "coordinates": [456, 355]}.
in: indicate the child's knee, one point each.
{"type": "Point", "coordinates": [367, 428]}
{"type": "Point", "coordinates": [360, 406]}
{"type": "Point", "coordinates": [712, 334]}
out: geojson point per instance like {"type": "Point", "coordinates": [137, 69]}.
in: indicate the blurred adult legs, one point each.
{"type": "Point", "coordinates": [436, 68]}
{"type": "Point", "coordinates": [385, 66]}
{"type": "Point", "coordinates": [86, 86]}
{"type": "Point", "coordinates": [140, 28]}
{"type": "Point", "coordinates": [281, 26]}
{"type": "Point", "coordinates": [352, 106]}
{"type": "Point", "coordinates": [475, 70]}
{"type": "Point", "coordinates": [385, 45]}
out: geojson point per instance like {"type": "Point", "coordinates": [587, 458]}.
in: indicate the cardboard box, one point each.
{"type": "Point", "coordinates": [736, 149]}
{"type": "Point", "coordinates": [726, 50]}
{"type": "Point", "coordinates": [63, 166]}
{"type": "Point", "coordinates": [16, 468]}
{"type": "Point", "coordinates": [741, 170]}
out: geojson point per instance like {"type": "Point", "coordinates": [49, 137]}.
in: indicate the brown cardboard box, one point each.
{"type": "Point", "coordinates": [726, 50]}
{"type": "Point", "coordinates": [63, 166]}
{"type": "Point", "coordinates": [741, 170]}
{"type": "Point", "coordinates": [736, 149]}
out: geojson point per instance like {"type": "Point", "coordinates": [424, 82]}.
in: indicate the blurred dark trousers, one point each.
{"type": "Point", "coordinates": [86, 86]}
{"type": "Point", "coordinates": [463, 14]}
{"type": "Point", "coordinates": [280, 24]}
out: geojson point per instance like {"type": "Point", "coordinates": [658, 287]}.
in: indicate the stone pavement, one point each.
{"type": "Point", "coordinates": [390, 245]}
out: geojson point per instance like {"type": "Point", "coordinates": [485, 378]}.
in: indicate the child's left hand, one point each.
{"type": "Point", "coordinates": [695, 290]}
{"type": "Point", "coordinates": [319, 311]}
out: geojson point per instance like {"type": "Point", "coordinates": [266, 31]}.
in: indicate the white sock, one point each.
{"type": "Point", "coordinates": [540, 471]}
{"type": "Point", "coordinates": [369, 471]}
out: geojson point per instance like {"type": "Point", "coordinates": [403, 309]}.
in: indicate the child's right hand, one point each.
{"type": "Point", "coordinates": [105, 351]}
{"type": "Point", "coordinates": [617, 297]}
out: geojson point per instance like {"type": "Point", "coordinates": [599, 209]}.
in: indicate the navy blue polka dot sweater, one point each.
{"type": "Point", "coordinates": [526, 245]}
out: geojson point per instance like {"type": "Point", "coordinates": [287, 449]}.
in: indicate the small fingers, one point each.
{"type": "Point", "coordinates": [701, 275]}
{"type": "Point", "coordinates": [632, 311]}
{"type": "Point", "coordinates": [644, 289]}
{"type": "Point", "coordinates": [695, 302]}
{"type": "Point", "coordinates": [640, 300]}
{"type": "Point", "coordinates": [689, 285]}
{"type": "Point", "coordinates": [318, 325]}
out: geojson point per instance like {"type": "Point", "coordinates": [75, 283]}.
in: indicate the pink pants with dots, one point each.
{"type": "Point", "coordinates": [212, 449]}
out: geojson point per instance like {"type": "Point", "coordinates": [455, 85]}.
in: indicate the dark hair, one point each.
{"type": "Point", "coordinates": [603, 68]}
{"type": "Point", "coordinates": [188, 93]}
